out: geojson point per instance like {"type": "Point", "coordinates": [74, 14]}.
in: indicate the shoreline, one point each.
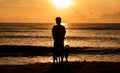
{"type": "Point", "coordinates": [48, 67]}
{"type": "Point", "coordinates": [15, 50]}
{"type": "Point", "coordinates": [70, 67]}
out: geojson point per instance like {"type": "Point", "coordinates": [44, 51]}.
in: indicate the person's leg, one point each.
{"type": "Point", "coordinates": [61, 58]}
{"type": "Point", "coordinates": [54, 57]}
{"type": "Point", "coordinates": [62, 50]}
{"type": "Point", "coordinates": [54, 51]}
{"type": "Point", "coordinates": [62, 54]}
{"type": "Point", "coordinates": [54, 54]}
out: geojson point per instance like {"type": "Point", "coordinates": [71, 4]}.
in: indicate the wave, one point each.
{"type": "Point", "coordinates": [94, 28]}
{"type": "Point", "coordinates": [42, 29]}
{"type": "Point", "coordinates": [22, 29]}
{"type": "Point", "coordinates": [68, 37]}
{"type": "Point", "coordinates": [75, 26]}
{"type": "Point", "coordinates": [45, 51]}
{"type": "Point", "coordinates": [25, 37]}
{"type": "Point", "coordinates": [81, 38]}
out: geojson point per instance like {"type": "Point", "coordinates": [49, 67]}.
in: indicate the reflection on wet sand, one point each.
{"type": "Point", "coordinates": [47, 59]}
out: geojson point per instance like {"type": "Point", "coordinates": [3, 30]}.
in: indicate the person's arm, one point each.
{"type": "Point", "coordinates": [53, 32]}
{"type": "Point", "coordinates": [64, 31]}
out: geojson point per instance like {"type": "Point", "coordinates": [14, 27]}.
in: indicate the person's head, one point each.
{"type": "Point", "coordinates": [58, 20]}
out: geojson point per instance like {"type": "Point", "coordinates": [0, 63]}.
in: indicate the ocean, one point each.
{"type": "Point", "coordinates": [78, 34]}
{"type": "Point", "coordinates": [98, 35]}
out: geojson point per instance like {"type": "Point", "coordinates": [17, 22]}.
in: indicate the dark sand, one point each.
{"type": "Point", "coordinates": [71, 67]}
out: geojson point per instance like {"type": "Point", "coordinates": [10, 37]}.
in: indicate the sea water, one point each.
{"type": "Point", "coordinates": [77, 35]}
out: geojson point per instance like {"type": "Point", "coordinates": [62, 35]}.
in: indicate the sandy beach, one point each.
{"type": "Point", "coordinates": [71, 67]}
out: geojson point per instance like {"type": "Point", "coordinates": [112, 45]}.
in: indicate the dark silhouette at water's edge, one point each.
{"type": "Point", "coordinates": [58, 33]}
{"type": "Point", "coordinates": [14, 50]}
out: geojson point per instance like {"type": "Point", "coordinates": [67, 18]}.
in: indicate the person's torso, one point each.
{"type": "Point", "coordinates": [59, 32]}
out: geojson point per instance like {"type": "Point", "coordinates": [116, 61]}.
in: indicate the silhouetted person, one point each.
{"type": "Point", "coordinates": [58, 33]}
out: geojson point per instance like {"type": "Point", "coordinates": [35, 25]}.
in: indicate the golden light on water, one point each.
{"type": "Point", "coordinates": [62, 3]}
{"type": "Point", "coordinates": [64, 24]}
{"type": "Point", "coordinates": [65, 43]}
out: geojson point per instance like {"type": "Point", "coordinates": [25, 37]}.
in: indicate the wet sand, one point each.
{"type": "Point", "coordinates": [71, 67]}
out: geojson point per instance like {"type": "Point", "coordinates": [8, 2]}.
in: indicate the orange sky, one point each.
{"type": "Point", "coordinates": [45, 11]}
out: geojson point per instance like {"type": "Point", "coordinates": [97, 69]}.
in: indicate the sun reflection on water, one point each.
{"type": "Point", "coordinates": [64, 24]}
{"type": "Point", "coordinates": [65, 43]}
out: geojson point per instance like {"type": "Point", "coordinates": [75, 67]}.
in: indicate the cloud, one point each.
{"type": "Point", "coordinates": [3, 1]}
{"type": "Point", "coordinates": [25, 3]}
{"type": "Point", "coordinates": [115, 15]}
{"type": "Point", "coordinates": [110, 18]}
{"type": "Point", "coordinates": [80, 15]}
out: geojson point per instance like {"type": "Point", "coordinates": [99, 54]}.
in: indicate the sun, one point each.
{"type": "Point", "coordinates": [62, 3]}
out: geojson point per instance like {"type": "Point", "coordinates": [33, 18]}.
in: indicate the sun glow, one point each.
{"type": "Point", "coordinates": [65, 43]}
{"type": "Point", "coordinates": [64, 24]}
{"type": "Point", "coordinates": [62, 3]}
